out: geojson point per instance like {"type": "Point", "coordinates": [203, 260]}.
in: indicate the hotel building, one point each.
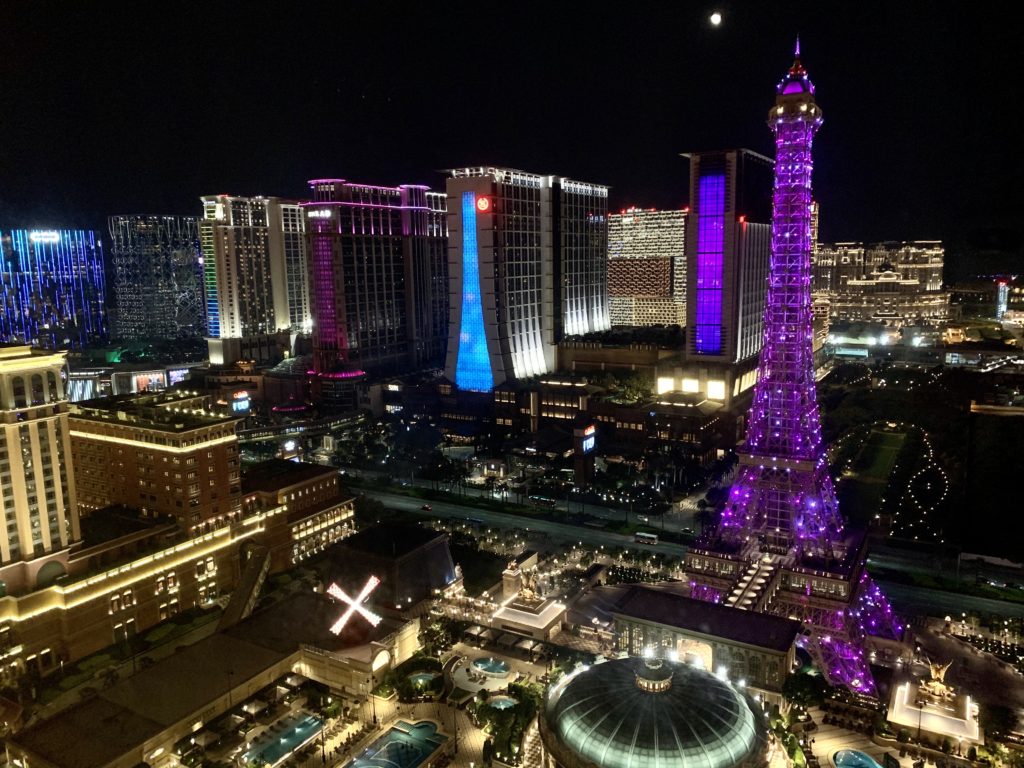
{"type": "Point", "coordinates": [528, 266]}
{"type": "Point", "coordinates": [65, 594]}
{"type": "Point", "coordinates": [37, 494]}
{"type": "Point", "coordinates": [254, 272]}
{"type": "Point", "coordinates": [728, 249]}
{"type": "Point", "coordinates": [52, 288]}
{"type": "Point", "coordinates": [164, 454]}
{"type": "Point", "coordinates": [895, 283]}
{"type": "Point", "coordinates": [158, 277]}
{"type": "Point", "coordinates": [647, 267]}
{"type": "Point", "coordinates": [379, 277]}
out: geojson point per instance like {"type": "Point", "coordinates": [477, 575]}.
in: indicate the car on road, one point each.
{"type": "Point", "coordinates": [426, 508]}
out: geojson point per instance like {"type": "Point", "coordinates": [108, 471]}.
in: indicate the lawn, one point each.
{"type": "Point", "coordinates": [878, 456]}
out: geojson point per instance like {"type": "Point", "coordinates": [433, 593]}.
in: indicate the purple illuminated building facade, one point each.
{"type": "Point", "coordinates": [378, 277]}
{"type": "Point", "coordinates": [728, 247]}
{"type": "Point", "coordinates": [781, 545]}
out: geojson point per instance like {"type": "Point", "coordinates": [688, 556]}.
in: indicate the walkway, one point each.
{"type": "Point", "coordinates": [829, 739]}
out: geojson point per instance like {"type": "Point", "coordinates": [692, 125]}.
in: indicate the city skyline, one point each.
{"type": "Point", "coordinates": [654, 83]}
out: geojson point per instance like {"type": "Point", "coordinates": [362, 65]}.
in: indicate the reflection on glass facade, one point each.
{"type": "Point", "coordinates": [52, 288]}
{"type": "Point", "coordinates": [158, 277]}
{"type": "Point", "coordinates": [710, 246]}
{"type": "Point", "coordinates": [473, 369]}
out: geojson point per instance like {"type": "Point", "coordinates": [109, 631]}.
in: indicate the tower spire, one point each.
{"type": "Point", "coordinates": [796, 52]}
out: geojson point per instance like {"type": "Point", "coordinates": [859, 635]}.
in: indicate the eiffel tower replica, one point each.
{"type": "Point", "coordinates": [781, 546]}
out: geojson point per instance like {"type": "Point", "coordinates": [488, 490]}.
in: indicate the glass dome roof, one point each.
{"type": "Point", "coordinates": [612, 715]}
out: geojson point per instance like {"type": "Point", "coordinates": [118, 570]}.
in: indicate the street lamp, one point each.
{"type": "Point", "coordinates": [920, 710]}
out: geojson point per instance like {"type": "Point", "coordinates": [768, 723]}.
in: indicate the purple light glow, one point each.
{"type": "Point", "coordinates": [784, 428]}
{"type": "Point", "coordinates": [710, 254]}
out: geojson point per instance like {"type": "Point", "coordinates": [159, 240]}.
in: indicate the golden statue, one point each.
{"type": "Point", "coordinates": [937, 672]}
{"type": "Point", "coordinates": [936, 686]}
{"type": "Point", "coordinates": [528, 591]}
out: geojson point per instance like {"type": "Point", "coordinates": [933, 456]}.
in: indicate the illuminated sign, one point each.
{"type": "Point", "coordinates": [44, 237]}
{"type": "Point", "coordinates": [241, 395]}
{"type": "Point", "coordinates": [177, 375]}
{"type": "Point", "coordinates": [354, 605]}
{"type": "Point", "coordinates": [590, 430]}
{"type": "Point", "coordinates": [483, 204]}
{"type": "Point", "coordinates": [289, 445]}
{"type": "Point", "coordinates": [319, 213]}
{"type": "Point", "coordinates": [588, 443]}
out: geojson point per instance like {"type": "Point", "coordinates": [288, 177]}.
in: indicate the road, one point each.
{"type": "Point", "coordinates": [906, 599]}
{"type": "Point", "coordinates": [563, 531]}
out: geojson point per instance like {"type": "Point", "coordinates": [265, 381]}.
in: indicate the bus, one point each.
{"type": "Point", "coordinates": [646, 538]}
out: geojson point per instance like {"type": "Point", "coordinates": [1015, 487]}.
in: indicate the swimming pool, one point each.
{"type": "Point", "coordinates": [422, 679]}
{"type": "Point", "coordinates": [852, 758]}
{"type": "Point", "coordinates": [405, 745]}
{"type": "Point", "coordinates": [491, 666]}
{"type": "Point", "coordinates": [277, 744]}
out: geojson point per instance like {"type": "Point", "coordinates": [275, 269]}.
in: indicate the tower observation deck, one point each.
{"type": "Point", "coordinates": [781, 546]}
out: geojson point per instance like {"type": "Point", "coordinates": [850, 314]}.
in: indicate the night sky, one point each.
{"type": "Point", "coordinates": [143, 107]}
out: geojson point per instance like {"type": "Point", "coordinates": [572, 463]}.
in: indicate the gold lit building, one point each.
{"type": "Point", "coordinates": [163, 454]}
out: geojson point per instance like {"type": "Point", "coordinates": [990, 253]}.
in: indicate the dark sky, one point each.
{"type": "Point", "coordinates": [142, 107]}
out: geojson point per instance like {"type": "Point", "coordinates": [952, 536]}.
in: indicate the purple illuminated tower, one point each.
{"type": "Point", "coordinates": [784, 493]}
{"type": "Point", "coordinates": [781, 546]}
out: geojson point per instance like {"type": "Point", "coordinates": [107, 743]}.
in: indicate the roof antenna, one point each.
{"type": "Point", "coordinates": [796, 53]}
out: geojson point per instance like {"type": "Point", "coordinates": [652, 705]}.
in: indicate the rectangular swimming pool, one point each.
{"type": "Point", "coordinates": [272, 747]}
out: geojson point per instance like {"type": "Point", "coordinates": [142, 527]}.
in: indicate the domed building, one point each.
{"type": "Point", "coordinates": [636, 713]}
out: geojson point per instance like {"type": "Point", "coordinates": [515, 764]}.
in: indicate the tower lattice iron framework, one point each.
{"type": "Point", "coordinates": [780, 546]}
{"type": "Point", "coordinates": [783, 494]}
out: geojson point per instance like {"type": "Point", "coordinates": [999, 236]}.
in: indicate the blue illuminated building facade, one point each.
{"type": "Point", "coordinates": [528, 266]}
{"type": "Point", "coordinates": [473, 365]}
{"type": "Point", "coordinates": [52, 287]}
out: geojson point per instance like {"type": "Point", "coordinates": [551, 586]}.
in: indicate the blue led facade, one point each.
{"type": "Point", "coordinates": [473, 368]}
{"type": "Point", "coordinates": [52, 288]}
{"type": "Point", "coordinates": [710, 256]}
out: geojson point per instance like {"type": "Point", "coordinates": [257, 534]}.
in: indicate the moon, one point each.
{"type": "Point", "coordinates": [716, 19]}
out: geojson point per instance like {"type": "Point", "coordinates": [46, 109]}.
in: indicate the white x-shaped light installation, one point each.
{"type": "Point", "coordinates": [354, 605]}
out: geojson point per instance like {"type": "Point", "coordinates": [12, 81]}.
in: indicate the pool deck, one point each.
{"type": "Point", "coordinates": [829, 739]}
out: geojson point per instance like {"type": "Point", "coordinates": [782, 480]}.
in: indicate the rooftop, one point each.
{"type": "Point", "coordinates": [95, 732]}
{"type": "Point", "coordinates": [164, 411]}
{"type": "Point", "coordinates": [278, 474]}
{"type": "Point", "coordinates": [120, 719]}
{"type": "Point", "coordinates": [676, 610]}
{"type": "Point", "coordinates": [631, 714]}
{"type": "Point", "coordinates": [394, 540]}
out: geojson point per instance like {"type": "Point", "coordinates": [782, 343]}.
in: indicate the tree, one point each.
{"type": "Point", "coordinates": [805, 690]}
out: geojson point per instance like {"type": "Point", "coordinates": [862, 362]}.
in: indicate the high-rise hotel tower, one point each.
{"type": "Point", "coordinates": [37, 497]}
{"type": "Point", "coordinates": [728, 244]}
{"type": "Point", "coordinates": [254, 273]}
{"type": "Point", "coordinates": [379, 290]}
{"type": "Point", "coordinates": [528, 266]}
{"type": "Point", "coordinates": [52, 288]}
{"type": "Point", "coordinates": [158, 277]}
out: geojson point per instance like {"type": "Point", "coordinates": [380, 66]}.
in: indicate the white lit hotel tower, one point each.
{"type": "Point", "coordinates": [254, 274]}
{"type": "Point", "coordinates": [36, 479]}
{"type": "Point", "coordinates": [527, 265]}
